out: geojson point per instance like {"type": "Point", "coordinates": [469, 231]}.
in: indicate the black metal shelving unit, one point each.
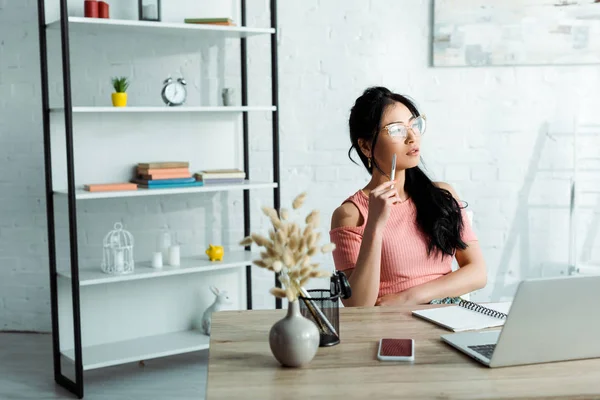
{"type": "Point", "coordinates": [76, 386]}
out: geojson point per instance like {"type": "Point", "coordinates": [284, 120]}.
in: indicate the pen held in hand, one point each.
{"type": "Point", "coordinates": [393, 173]}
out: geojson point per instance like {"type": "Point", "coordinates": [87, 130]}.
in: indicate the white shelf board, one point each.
{"type": "Point", "coordinates": [181, 30]}
{"type": "Point", "coordinates": [143, 270]}
{"type": "Point", "coordinates": [166, 109]}
{"type": "Point", "coordinates": [145, 348]}
{"type": "Point", "coordinates": [81, 194]}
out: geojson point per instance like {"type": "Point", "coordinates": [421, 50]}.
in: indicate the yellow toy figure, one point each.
{"type": "Point", "coordinates": [215, 253]}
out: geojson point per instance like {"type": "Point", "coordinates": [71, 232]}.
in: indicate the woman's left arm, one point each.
{"type": "Point", "coordinates": [471, 275]}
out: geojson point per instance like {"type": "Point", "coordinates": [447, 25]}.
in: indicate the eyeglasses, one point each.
{"type": "Point", "coordinates": [399, 130]}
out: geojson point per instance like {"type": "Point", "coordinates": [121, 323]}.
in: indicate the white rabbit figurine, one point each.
{"type": "Point", "coordinates": [221, 300]}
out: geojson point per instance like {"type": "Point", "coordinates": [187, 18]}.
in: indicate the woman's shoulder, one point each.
{"type": "Point", "coordinates": [448, 187]}
{"type": "Point", "coordinates": [345, 215]}
{"type": "Point", "coordinates": [348, 213]}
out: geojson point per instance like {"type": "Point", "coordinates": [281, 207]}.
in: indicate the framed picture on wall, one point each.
{"type": "Point", "coordinates": [515, 32]}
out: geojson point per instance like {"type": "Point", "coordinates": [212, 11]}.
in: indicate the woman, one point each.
{"type": "Point", "coordinates": [395, 240]}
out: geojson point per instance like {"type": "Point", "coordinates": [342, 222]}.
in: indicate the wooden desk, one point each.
{"type": "Point", "coordinates": [241, 365]}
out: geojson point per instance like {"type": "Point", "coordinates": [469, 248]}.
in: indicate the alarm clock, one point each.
{"type": "Point", "coordinates": [174, 92]}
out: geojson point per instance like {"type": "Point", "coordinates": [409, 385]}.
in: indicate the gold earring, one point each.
{"type": "Point", "coordinates": [369, 162]}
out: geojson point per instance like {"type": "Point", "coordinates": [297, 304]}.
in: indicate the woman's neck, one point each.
{"type": "Point", "coordinates": [378, 178]}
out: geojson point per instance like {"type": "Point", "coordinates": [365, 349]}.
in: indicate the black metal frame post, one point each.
{"type": "Point", "coordinates": [275, 117]}
{"type": "Point", "coordinates": [246, 151]}
{"type": "Point", "coordinates": [77, 386]}
{"type": "Point", "coordinates": [68, 110]}
{"type": "Point", "coordinates": [49, 188]}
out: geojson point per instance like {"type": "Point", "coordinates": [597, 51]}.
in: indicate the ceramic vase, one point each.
{"type": "Point", "coordinates": [294, 339]}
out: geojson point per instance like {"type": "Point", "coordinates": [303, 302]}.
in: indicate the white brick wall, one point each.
{"type": "Point", "coordinates": [484, 138]}
{"type": "Point", "coordinates": [23, 251]}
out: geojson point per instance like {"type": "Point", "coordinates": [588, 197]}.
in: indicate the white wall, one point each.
{"type": "Point", "coordinates": [485, 137]}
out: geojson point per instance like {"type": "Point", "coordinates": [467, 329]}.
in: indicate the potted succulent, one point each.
{"type": "Point", "coordinates": [119, 97]}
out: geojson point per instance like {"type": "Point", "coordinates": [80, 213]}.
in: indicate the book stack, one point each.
{"type": "Point", "coordinates": [210, 21]}
{"type": "Point", "coordinates": [220, 176]}
{"type": "Point", "coordinates": [165, 174]}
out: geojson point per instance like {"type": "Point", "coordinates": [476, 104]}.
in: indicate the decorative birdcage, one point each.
{"type": "Point", "coordinates": [117, 257]}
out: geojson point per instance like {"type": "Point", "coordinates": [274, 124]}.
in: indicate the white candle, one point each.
{"type": "Point", "coordinates": [174, 256]}
{"type": "Point", "coordinates": [120, 261]}
{"type": "Point", "coordinates": [157, 260]}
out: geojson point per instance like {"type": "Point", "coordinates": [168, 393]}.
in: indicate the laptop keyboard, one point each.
{"type": "Point", "coordinates": [485, 350]}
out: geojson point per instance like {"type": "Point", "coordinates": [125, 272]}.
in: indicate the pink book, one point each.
{"type": "Point", "coordinates": [110, 187]}
{"type": "Point", "coordinates": [151, 177]}
{"type": "Point", "coordinates": [151, 171]}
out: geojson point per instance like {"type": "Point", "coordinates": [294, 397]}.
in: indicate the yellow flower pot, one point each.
{"type": "Point", "coordinates": [119, 99]}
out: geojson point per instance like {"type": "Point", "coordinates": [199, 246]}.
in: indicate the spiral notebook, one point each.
{"type": "Point", "coordinates": [466, 315]}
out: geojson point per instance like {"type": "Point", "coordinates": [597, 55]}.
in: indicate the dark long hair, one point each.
{"type": "Point", "coordinates": [438, 213]}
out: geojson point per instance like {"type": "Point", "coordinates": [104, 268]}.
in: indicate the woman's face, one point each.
{"type": "Point", "coordinates": [401, 135]}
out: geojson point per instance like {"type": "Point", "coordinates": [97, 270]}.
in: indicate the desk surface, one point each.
{"type": "Point", "coordinates": [241, 365]}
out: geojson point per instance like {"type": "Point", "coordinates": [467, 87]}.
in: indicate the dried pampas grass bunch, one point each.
{"type": "Point", "coordinates": [289, 249]}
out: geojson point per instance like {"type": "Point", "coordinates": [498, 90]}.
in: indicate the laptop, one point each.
{"type": "Point", "coordinates": [550, 319]}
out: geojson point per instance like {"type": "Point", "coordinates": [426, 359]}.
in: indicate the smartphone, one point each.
{"type": "Point", "coordinates": [396, 350]}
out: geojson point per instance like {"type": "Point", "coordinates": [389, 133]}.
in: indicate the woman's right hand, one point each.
{"type": "Point", "coordinates": [381, 200]}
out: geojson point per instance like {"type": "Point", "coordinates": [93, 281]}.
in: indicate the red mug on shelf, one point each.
{"type": "Point", "coordinates": [90, 9]}
{"type": "Point", "coordinates": [102, 9]}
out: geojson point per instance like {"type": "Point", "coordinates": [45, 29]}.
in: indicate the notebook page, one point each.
{"type": "Point", "coordinates": [459, 319]}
